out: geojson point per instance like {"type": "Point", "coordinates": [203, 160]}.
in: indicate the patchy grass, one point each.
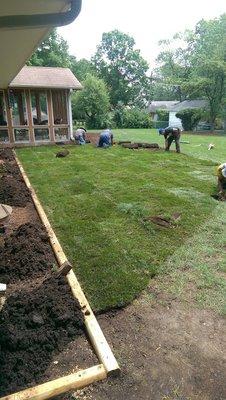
{"type": "Point", "coordinates": [197, 269]}
{"type": "Point", "coordinates": [99, 203]}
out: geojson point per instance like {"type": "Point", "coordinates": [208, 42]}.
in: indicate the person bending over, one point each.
{"type": "Point", "coordinates": [80, 136]}
{"type": "Point", "coordinates": [171, 134]}
{"type": "Point", "coordinates": [221, 175]}
{"type": "Point", "coordinates": [105, 138]}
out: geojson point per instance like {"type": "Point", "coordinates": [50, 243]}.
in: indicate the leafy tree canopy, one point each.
{"type": "Point", "coordinates": [122, 68]}
{"type": "Point", "coordinates": [92, 103]}
{"type": "Point", "coordinates": [195, 63]}
{"type": "Point", "coordinates": [52, 52]}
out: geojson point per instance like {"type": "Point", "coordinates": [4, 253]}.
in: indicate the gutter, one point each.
{"type": "Point", "coordinates": [42, 20]}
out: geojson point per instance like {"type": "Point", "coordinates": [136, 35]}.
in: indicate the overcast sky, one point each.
{"type": "Point", "coordinates": [147, 21]}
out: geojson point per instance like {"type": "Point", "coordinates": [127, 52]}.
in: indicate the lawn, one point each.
{"type": "Point", "coordinates": [198, 144]}
{"type": "Point", "coordinates": [100, 203]}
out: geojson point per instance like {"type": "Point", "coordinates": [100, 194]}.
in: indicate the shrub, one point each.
{"type": "Point", "coordinates": [190, 118]}
{"type": "Point", "coordinates": [163, 115]}
{"type": "Point", "coordinates": [132, 118]}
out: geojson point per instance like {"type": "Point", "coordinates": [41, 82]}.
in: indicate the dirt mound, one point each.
{"type": "Point", "coordinates": [6, 155]}
{"type": "Point", "coordinates": [26, 253]}
{"type": "Point", "coordinates": [13, 191]}
{"type": "Point", "coordinates": [34, 326]}
{"type": "Point", "coordinates": [92, 137]}
{"type": "Point", "coordinates": [63, 153]}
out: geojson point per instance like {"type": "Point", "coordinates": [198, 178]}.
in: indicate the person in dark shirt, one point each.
{"type": "Point", "coordinates": [171, 134]}
{"type": "Point", "coordinates": [105, 138]}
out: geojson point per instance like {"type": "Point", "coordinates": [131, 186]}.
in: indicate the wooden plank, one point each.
{"type": "Point", "coordinates": [50, 115]}
{"type": "Point", "coordinates": [9, 117]}
{"type": "Point", "coordinates": [29, 115]}
{"type": "Point", "coordinates": [63, 270]}
{"type": "Point", "coordinates": [58, 386]}
{"type": "Point", "coordinates": [94, 331]}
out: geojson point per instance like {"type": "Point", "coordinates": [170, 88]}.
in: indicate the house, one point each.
{"type": "Point", "coordinates": [31, 99]}
{"type": "Point", "coordinates": [36, 106]}
{"type": "Point", "coordinates": [186, 104]}
{"type": "Point", "coordinates": [160, 105]}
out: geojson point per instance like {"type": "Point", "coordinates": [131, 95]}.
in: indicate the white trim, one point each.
{"type": "Point", "coordinates": [70, 115]}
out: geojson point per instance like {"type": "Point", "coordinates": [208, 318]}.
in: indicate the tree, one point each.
{"type": "Point", "coordinates": [209, 59]}
{"type": "Point", "coordinates": [162, 91]}
{"type": "Point", "coordinates": [92, 103]}
{"type": "Point", "coordinates": [53, 52]}
{"type": "Point", "coordinates": [198, 66]}
{"type": "Point", "coordinates": [81, 68]}
{"type": "Point", "coordinates": [123, 69]}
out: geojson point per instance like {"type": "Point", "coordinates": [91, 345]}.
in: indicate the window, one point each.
{"type": "Point", "coordinates": [41, 134]}
{"type": "Point", "coordinates": [21, 135]}
{"type": "Point", "coordinates": [3, 119]}
{"type": "Point", "coordinates": [19, 111]}
{"type": "Point", "coordinates": [61, 134]}
{"type": "Point", "coordinates": [39, 108]}
{"type": "Point", "coordinates": [4, 137]}
{"type": "Point", "coordinates": [59, 98]}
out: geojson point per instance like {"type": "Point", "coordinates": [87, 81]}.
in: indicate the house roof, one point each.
{"type": "Point", "coordinates": [161, 105]}
{"type": "Point", "coordinates": [46, 77]}
{"type": "Point", "coordinates": [189, 104]}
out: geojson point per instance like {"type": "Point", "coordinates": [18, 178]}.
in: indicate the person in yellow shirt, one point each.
{"type": "Point", "coordinates": [221, 175]}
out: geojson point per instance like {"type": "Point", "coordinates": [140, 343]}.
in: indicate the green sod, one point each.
{"type": "Point", "coordinates": [99, 203]}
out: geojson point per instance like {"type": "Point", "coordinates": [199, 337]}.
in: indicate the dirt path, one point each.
{"type": "Point", "coordinates": [166, 353]}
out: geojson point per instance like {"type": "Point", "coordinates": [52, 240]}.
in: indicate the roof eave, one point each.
{"type": "Point", "coordinates": [44, 87]}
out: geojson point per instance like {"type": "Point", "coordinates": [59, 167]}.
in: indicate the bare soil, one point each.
{"type": "Point", "coordinates": [26, 253]}
{"type": "Point", "coordinates": [167, 351]}
{"type": "Point", "coordinates": [34, 323]}
{"type": "Point", "coordinates": [41, 325]}
{"type": "Point", "coordinates": [93, 137]}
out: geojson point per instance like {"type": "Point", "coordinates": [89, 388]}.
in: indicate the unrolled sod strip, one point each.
{"type": "Point", "coordinates": [94, 331]}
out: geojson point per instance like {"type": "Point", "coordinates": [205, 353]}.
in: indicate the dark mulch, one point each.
{"type": "Point", "coordinates": [7, 155]}
{"type": "Point", "coordinates": [35, 325]}
{"type": "Point", "coordinates": [26, 254]}
{"type": "Point", "coordinates": [40, 316]}
{"type": "Point", "coordinates": [13, 190]}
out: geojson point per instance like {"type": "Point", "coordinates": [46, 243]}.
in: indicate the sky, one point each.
{"type": "Point", "coordinates": [147, 21]}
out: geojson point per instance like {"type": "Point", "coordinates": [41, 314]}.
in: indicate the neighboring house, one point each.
{"type": "Point", "coordinates": [186, 104]}
{"type": "Point", "coordinates": [36, 106]}
{"type": "Point", "coordinates": [160, 105]}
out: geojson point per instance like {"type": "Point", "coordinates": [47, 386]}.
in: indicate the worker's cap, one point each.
{"type": "Point", "coordinates": [161, 131]}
